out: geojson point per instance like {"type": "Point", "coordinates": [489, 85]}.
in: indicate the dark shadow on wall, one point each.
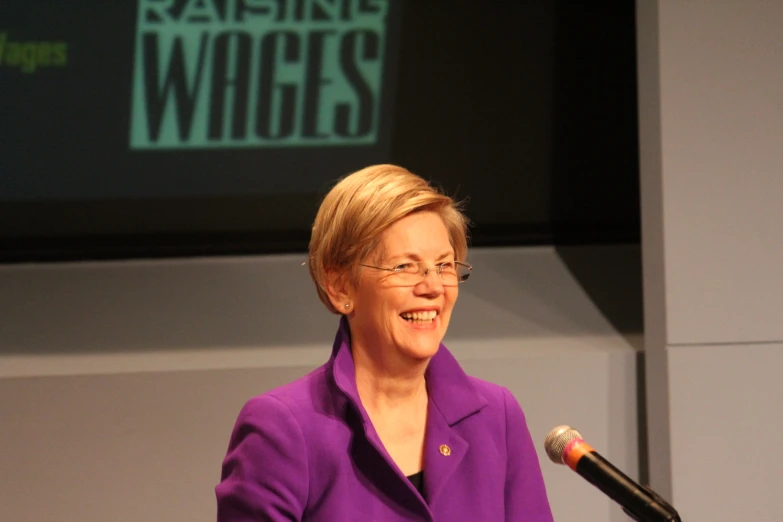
{"type": "Point", "coordinates": [595, 200]}
{"type": "Point", "coordinates": [611, 276]}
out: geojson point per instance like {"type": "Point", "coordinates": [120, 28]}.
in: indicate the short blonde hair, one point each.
{"type": "Point", "coordinates": [361, 206]}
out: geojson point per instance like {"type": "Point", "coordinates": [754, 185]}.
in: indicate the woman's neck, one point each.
{"type": "Point", "coordinates": [395, 399]}
{"type": "Point", "coordinates": [389, 385]}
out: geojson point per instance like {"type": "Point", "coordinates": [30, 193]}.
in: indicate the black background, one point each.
{"type": "Point", "coordinates": [525, 108]}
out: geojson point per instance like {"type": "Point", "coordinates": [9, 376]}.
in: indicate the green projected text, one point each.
{"type": "Point", "coordinates": [257, 73]}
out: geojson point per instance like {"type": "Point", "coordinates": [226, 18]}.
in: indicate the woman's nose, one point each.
{"type": "Point", "coordinates": [431, 281]}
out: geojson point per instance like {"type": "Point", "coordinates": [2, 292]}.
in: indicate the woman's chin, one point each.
{"type": "Point", "coordinates": [417, 340]}
{"type": "Point", "coordinates": [420, 352]}
{"type": "Point", "coordinates": [421, 342]}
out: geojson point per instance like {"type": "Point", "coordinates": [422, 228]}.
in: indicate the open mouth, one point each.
{"type": "Point", "coordinates": [426, 317]}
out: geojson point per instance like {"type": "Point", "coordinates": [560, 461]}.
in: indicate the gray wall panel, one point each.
{"type": "Point", "coordinates": [120, 382]}
{"type": "Point", "coordinates": [722, 123]}
{"type": "Point", "coordinates": [725, 420]}
{"type": "Point", "coordinates": [711, 126]}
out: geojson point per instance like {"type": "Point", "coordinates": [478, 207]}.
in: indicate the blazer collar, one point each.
{"type": "Point", "coordinates": [449, 388]}
{"type": "Point", "coordinates": [452, 398]}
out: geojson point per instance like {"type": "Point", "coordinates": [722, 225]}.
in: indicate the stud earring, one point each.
{"type": "Point", "coordinates": [347, 305]}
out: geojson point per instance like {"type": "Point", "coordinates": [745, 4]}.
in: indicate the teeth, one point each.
{"type": "Point", "coordinates": [427, 316]}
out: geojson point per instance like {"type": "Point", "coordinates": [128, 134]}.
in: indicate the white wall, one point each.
{"type": "Point", "coordinates": [711, 116]}
{"type": "Point", "coordinates": [120, 382]}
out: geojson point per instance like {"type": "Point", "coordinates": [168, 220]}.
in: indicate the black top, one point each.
{"type": "Point", "coordinates": [417, 479]}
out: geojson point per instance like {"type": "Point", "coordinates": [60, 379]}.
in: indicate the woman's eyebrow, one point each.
{"type": "Point", "coordinates": [416, 257]}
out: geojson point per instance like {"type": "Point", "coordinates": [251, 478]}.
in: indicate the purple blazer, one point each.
{"type": "Point", "coordinates": [308, 451]}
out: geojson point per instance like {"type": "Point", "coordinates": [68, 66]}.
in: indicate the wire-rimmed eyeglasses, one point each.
{"type": "Point", "coordinates": [451, 273]}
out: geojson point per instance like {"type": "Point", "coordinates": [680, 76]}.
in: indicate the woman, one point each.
{"type": "Point", "coordinates": [390, 428]}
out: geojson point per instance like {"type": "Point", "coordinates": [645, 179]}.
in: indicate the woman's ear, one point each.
{"type": "Point", "coordinates": [339, 289]}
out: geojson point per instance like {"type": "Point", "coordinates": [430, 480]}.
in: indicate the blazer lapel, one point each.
{"type": "Point", "coordinates": [444, 450]}
{"type": "Point", "coordinates": [452, 399]}
{"type": "Point", "coordinates": [368, 451]}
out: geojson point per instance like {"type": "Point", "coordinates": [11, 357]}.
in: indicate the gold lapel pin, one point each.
{"type": "Point", "coordinates": [445, 450]}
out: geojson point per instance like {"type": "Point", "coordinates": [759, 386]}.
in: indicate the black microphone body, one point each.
{"type": "Point", "coordinates": [564, 445]}
{"type": "Point", "coordinates": [639, 502]}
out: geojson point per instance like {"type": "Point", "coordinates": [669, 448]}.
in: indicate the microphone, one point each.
{"type": "Point", "coordinates": [564, 445]}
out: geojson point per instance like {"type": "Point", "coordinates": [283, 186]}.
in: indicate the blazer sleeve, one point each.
{"type": "Point", "coordinates": [265, 473]}
{"type": "Point", "coordinates": [525, 494]}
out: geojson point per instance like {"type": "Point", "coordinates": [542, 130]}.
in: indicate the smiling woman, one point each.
{"type": "Point", "coordinates": [390, 428]}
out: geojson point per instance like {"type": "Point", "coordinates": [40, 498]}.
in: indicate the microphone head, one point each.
{"type": "Point", "coordinates": [557, 440]}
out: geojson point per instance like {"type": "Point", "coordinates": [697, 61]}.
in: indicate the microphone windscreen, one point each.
{"type": "Point", "coordinates": [557, 440]}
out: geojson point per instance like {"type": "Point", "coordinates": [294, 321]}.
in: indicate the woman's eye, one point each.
{"type": "Point", "coordinates": [403, 267]}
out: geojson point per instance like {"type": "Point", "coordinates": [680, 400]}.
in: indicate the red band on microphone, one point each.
{"type": "Point", "coordinates": [574, 451]}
